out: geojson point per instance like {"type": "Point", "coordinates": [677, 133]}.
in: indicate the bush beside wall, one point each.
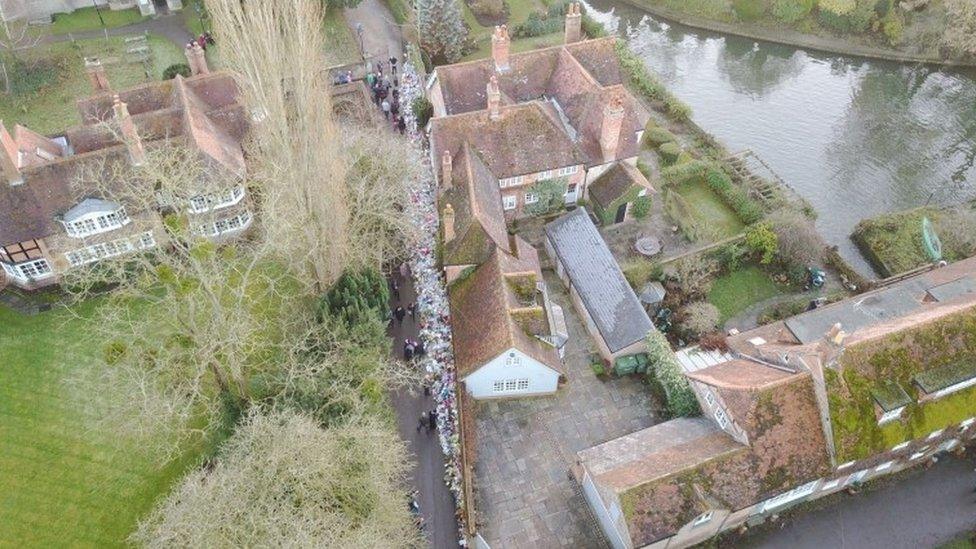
{"type": "Point", "coordinates": [667, 372]}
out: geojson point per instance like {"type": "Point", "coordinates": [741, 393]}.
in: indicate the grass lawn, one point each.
{"type": "Point", "coordinates": [519, 11]}
{"type": "Point", "coordinates": [63, 482]}
{"type": "Point", "coordinates": [735, 292]}
{"type": "Point", "coordinates": [50, 107]}
{"type": "Point", "coordinates": [86, 19]}
{"type": "Point", "coordinates": [894, 244]}
{"type": "Point", "coordinates": [342, 45]}
{"type": "Point", "coordinates": [717, 219]}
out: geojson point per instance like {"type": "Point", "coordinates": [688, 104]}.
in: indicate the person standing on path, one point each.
{"type": "Point", "coordinates": [395, 288]}
{"type": "Point", "coordinates": [393, 63]}
{"type": "Point", "coordinates": [398, 313]}
{"type": "Point", "coordinates": [385, 105]}
{"type": "Point", "coordinates": [431, 420]}
{"type": "Point", "coordinates": [412, 309]}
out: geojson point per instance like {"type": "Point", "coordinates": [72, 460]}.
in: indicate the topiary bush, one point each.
{"type": "Point", "coordinates": [744, 207]}
{"type": "Point", "coordinates": [669, 153]}
{"type": "Point", "coordinates": [171, 71]}
{"type": "Point", "coordinates": [762, 241]}
{"type": "Point", "coordinates": [423, 110]}
{"type": "Point", "coordinates": [355, 297]}
{"type": "Point", "coordinates": [658, 136]}
{"type": "Point", "coordinates": [641, 207]}
{"type": "Point", "coordinates": [664, 369]}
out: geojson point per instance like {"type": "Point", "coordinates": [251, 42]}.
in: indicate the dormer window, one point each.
{"type": "Point", "coordinates": [94, 216]}
{"type": "Point", "coordinates": [216, 201]}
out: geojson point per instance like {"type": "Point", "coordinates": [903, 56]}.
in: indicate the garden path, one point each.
{"type": "Point", "coordinates": [381, 36]}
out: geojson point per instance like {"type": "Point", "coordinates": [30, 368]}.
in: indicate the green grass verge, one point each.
{"type": "Point", "coordinates": [51, 108]}
{"type": "Point", "coordinates": [342, 46]}
{"type": "Point", "coordinates": [735, 292]}
{"type": "Point", "coordinates": [87, 19]}
{"type": "Point", "coordinates": [894, 244]}
{"type": "Point", "coordinates": [65, 482]}
{"type": "Point", "coordinates": [716, 219]}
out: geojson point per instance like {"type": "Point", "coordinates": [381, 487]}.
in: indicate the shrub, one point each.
{"type": "Point", "coordinates": [791, 11]}
{"type": "Point", "coordinates": [683, 173]}
{"type": "Point", "coordinates": [683, 214]}
{"type": "Point", "coordinates": [423, 110]}
{"type": "Point", "coordinates": [598, 368]}
{"type": "Point", "coordinates": [894, 28]}
{"type": "Point", "coordinates": [734, 197]}
{"type": "Point", "coordinates": [658, 136]}
{"type": "Point", "coordinates": [692, 275]}
{"type": "Point", "coordinates": [355, 297]}
{"type": "Point", "coordinates": [748, 10]}
{"type": "Point", "coordinates": [669, 153]}
{"type": "Point", "coordinates": [641, 207]}
{"type": "Point", "coordinates": [171, 71]}
{"type": "Point", "coordinates": [550, 193]}
{"type": "Point", "coordinates": [731, 255]}
{"type": "Point", "coordinates": [837, 7]}
{"type": "Point", "coordinates": [667, 372]}
{"type": "Point", "coordinates": [798, 244]}
{"type": "Point", "coordinates": [488, 8]}
{"type": "Point", "coordinates": [639, 271]}
{"type": "Point", "coordinates": [762, 241]}
{"type": "Point", "coordinates": [677, 108]}
{"type": "Point", "coordinates": [592, 28]}
{"type": "Point", "coordinates": [684, 158]}
{"type": "Point", "coordinates": [699, 318]}
{"type": "Point", "coordinates": [27, 78]}
{"type": "Point", "coordinates": [645, 169]}
{"type": "Point", "coordinates": [538, 24]}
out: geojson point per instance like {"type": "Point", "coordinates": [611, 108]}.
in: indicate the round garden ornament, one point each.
{"type": "Point", "coordinates": [648, 246]}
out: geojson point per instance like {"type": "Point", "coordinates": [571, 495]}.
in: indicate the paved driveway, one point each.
{"type": "Point", "coordinates": [525, 497]}
{"type": "Point", "coordinates": [924, 510]}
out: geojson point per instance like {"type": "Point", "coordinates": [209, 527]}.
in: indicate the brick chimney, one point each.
{"type": "Point", "coordinates": [574, 20]}
{"type": "Point", "coordinates": [129, 134]}
{"type": "Point", "coordinates": [196, 58]}
{"type": "Point", "coordinates": [494, 99]}
{"type": "Point", "coordinates": [448, 221]}
{"type": "Point", "coordinates": [9, 153]}
{"type": "Point", "coordinates": [613, 119]}
{"type": "Point", "coordinates": [96, 74]}
{"type": "Point", "coordinates": [500, 43]}
{"type": "Point", "coordinates": [447, 172]}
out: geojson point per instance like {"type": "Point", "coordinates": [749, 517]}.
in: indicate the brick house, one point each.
{"type": "Point", "coordinates": [560, 113]}
{"type": "Point", "coordinates": [48, 224]}
{"type": "Point", "coordinates": [796, 410]}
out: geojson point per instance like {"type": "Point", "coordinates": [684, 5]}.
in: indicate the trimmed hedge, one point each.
{"type": "Point", "coordinates": [683, 173]}
{"type": "Point", "coordinates": [658, 136]}
{"type": "Point", "coordinates": [669, 153]}
{"type": "Point", "coordinates": [667, 372]}
{"type": "Point", "coordinates": [746, 208]}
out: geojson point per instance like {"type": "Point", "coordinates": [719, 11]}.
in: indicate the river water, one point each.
{"type": "Point", "coordinates": [855, 137]}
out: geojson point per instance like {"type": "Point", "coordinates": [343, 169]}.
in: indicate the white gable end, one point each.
{"type": "Point", "coordinates": [512, 374]}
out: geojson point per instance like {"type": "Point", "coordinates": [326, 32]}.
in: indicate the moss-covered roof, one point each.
{"type": "Point", "coordinates": [937, 379]}
{"type": "Point", "coordinates": [890, 395]}
{"type": "Point", "coordinates": [930, 350]}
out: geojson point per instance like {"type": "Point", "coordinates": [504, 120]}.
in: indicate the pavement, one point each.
{"type": "Point", "coordinates": [525, 447]}
{"type": "Point", "coordinates": [925, 509]}
{"type": "Point", "coordinates": [381, 34]}
{"type": "Point", "coordinates": [427, 474]}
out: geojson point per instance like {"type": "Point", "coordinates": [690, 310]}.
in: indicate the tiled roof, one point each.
{"type": "Point", "coordinates": [484, 311]}
{"type": "Point", "coordinates": [595, 275]}
{"type": "Point", "coordinates": [479, 220]}
{"type": "Point", "coordinates": [740, 374]}
{"type": "Point", "coordinates": [526, 138]}
{"type": "Point", "coordinates": [615, 182]}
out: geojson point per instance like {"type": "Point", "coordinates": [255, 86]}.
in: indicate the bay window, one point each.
{"type": "Point", "coordinates": [29, 270]}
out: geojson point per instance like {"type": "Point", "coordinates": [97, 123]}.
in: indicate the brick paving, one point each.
{"type": "Point", "coordinates": [525, 447]}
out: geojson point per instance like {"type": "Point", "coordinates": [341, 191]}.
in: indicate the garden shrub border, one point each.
{"type": "Point", "coordinates": [666, 371]}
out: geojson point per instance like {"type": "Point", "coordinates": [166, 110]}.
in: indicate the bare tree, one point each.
{"type": "Point", "coordinates": [960, 32]}
{"type": "Point", "coordinates": [17, 37]}
{"type": "Point", "coordinates": [282, 481]}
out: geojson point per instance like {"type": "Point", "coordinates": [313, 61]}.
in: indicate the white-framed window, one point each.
{"type": "Point", "coordinates": [709, 397]}
{"type": "Point", "coordinates": [215, 201]}
{"type": "Point", "coordinates": [511, 181]}
{"type": "Point", "coordinates": [97, 223]}
{"type": "Point", "coordinates": [523, 385]}
{"type": "Point", "coordinates": [531, 198]}
{"type": "Point", "coordinates": [145, 240]}
{"type": "Point", "coordinates": [24, 272]}
{"type": "Point", "coordinates": [512, 360]}
{"type": "Point", "coordinates": [567, 171]}
{"type": "Point", "coordinates": [845, 465]}
{"type": "Point", "coordinates": [509, 385]}
{"type": "Point", "coordinates": [830, 485]}
{"type": "Point", "coordinates": [102, 250]}
{"type": "Point", "coordinates": [702, 519]}
{"type": "Point", "coordinates": [884, 466]}
{"type": "Point", "coordinates": [935, 434]}
{"type": "Point", "coordinates": [544, 175]}
{"type": "Point", "coordinates": [227, 225]}
{"type": "Point", "coordinates": [509, 202]}
{"type": "Point", "coordinates": [900, 446]}
{"type": "Point", "coordinates": [890, 416]}
{"type": "Point", "coordinates": [793, 495]}
{"type": "Point", "coordinates": [721, 418]}
{"type": "Point", "coordinates": [967, 422]}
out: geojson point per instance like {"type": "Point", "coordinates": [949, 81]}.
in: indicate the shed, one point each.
{"type": "Point", "coordinates": [613, 193]}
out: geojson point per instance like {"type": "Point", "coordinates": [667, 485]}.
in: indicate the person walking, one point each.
{"type": "Point", "coordinates": [422, 422]}
{"type": "Point", "coordinates": [407, 350]}
{"type": "Point", "coordinates": [393, 64]}
{"type": "Point", "coordinates": [401, 124]}
{"type": "Point", "coordinates": [385, 105]}
{"type": "Point", "coordinates": [370, 79]}
{"type": "Point", "coordinates": [404, 270]}
{"type": "Point", "coordinates": [412, 309]}
{"type": "Point", "coordinates": [419, 349]}
{"type": "Point", "coordinates": [398, 313]}
{"type": "Point", "coordinates": [395, 288]}
{"type": "Point", "coordinates": [431, 420]}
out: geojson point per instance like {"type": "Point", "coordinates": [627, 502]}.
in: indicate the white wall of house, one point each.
{"type": "Point", "coordinates": [609, 517]}
{"type": "Point", "coordinates": [512, 374]}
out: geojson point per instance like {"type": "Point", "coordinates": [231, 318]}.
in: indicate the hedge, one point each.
{"type": "Point", "coordinates": [669, 153]}
{"type": "Point", "coordinates": [648, 85]}
{"type": "Point", "coordinates": [666, 370]}
{"type": "Point", "coordinates": [684, 215]}
{"type": "Point", "coordinates": [658, 136]}
{"type": "Point", "coordinates": [734, 197]}
{"type": "Point", "coordinates": [683, 173]}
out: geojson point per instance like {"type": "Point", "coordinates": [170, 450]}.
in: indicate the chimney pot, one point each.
{"type": "Point", "coordinates": [613, 119]}
{"type": "Point", "coordinates": [494, 99]}
{"type": "Point", "coordinates": [574, 21]}
{"type": "Point", "coordinates": [447, 165]}
{"type": "Point", "coordinates": [448, 219]}
{"type": "Point", "coordinates": [129, 134]}
{"type": "Point", "coordinates": [96, 74]}
{"type": "Point", "coordinates": [500, 44]}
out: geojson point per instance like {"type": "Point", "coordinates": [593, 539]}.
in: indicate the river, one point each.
{"type": "Point", "coordinates": [855, 137]}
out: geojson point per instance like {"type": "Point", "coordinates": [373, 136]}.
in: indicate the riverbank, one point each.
{"type": "Point", "coordinates": [790, 37]}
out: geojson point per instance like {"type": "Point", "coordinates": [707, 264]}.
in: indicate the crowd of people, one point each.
{"type": "Point", "coordinates": [386, 93]}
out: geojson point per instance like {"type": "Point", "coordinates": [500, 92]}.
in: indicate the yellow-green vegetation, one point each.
{"type": "Point", "coordinates": [715, 219]}
{"type": "Point", "coordinates": [738, 290]}
{"type": "Point", "coordinates": [868, 370]}
{"type": "Point", "coordinates": [894, 244]}
{"type": "Point", "coordinates": [65, 481]}
{"type": "Point", "coordinates": [342, 46]}
{"type": "Point", "coordinates": [50, 78]}
{"type": "Point", "coordinates": [88, 19]}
